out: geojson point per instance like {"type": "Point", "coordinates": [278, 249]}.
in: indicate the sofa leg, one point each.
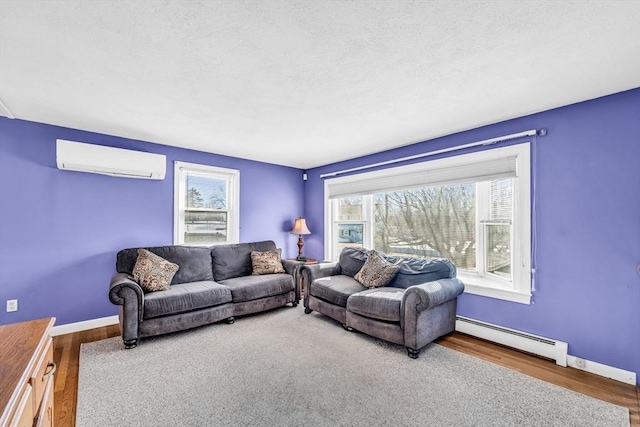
{"type": "Point", "coordinates": [347, 328]}
{"type": "Point", "coordinates": [294, 304]}
{"type": "Point", "coordinates": [307, 310]}
{"type": "Point", "coordinates": [129, 344]}
{"type": "Point", "coordinates": [230, 320]}
{"type": "Point", "coordinates": [413, 353]}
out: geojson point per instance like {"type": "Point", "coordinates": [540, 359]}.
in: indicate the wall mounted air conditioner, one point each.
{"type": "Point", "coordinates": [78, 156]}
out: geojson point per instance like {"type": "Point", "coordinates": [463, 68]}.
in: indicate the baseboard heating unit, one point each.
{"type": "Point", "coordinates": [545, 347]}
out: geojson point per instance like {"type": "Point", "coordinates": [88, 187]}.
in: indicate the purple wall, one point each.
{"type": "Point", "coordinates": [588, 217]}
{"type": "Point", "coordinates": [60, 230]}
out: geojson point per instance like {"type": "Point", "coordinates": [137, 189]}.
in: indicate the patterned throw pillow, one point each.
{"type": "Point", "coordinates": [376, 271]}
{"type": "Point", "coordinates": [267, 262]}
{"type": "Point", "coordinates": [153, 273]}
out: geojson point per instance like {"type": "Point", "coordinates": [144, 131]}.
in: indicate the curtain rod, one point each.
{"type": "Point", "coordinates": [444, 150]}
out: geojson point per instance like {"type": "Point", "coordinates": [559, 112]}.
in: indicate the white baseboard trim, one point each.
{"type": "Point", "coordinates": [541, 346]}
{"type": "Point", "coordinates": [85, 325]}
{"type": "Point", "coordinates": [606, 371]}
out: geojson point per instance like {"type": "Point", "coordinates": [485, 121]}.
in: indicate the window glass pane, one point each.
{"type": "Point", "coordinates": [206, 200]}
{"type": "Point", "coordinates": [205, 217]}
{"type": "Point", "coordinates": [350, 209]}
{"type": "Point", "coordinates": [202, 226]}
{"type": "Point", "coordinates": [205, 192]}
{"type": "Point", "coordinates": [350, 235]}
{"type": "Point", "coordinates": [428, 222]}
{"type": "Point", "coordinates": [498, 250]}
{"type": "Point", "coordinates": [501, 199]}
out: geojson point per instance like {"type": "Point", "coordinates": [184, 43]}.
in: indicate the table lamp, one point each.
{"type": "Point", "coordinates": [300, 228]}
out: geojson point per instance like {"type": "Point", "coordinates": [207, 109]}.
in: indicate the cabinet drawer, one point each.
{"type": "Point", "coordinates": [23, 416]}
{"type": "Point", "coordinates": [43, 371]}
{"type": "Point", "coordinates": [45, 415]}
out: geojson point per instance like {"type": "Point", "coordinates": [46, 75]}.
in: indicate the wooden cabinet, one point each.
{"type": "Point", "coordinates": [26, 374]}
{"type": "Point", "coordinates": [45, 415]}
{"type": "Point", "coordinates": [23, 416]}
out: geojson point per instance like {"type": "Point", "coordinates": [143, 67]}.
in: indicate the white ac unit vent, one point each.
{"type": "Point", "coordinates": [78, 156]}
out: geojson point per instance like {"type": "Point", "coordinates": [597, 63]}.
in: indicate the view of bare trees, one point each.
{"type": "Point", "coordinates": [435, 221]}
{"type": "Point", "coordinates": [203, 196]}
{"type": "Point", "coordinates": [194, 198]}
{"type": "Point", "coordinates": [205, 192]}
{"type": "Point", "coordinates": [498, 228]}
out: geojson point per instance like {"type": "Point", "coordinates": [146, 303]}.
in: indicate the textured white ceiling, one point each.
{"type": "Point", "coordinates": [306, 83]}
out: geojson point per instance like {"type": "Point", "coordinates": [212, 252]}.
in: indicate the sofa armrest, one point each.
{"type": "Point", "coordinates": [312, 272]}
{"type": "Point", "coordinates": [124, 291]}
{"type": "Point", "coordinates": [428, 311]}
{"type": "Point", "coordinates": [427, 295]}
{"type": "Point", "coordinates": [293, 268]}
{"type": "Point", "coordinates": [290, 266]}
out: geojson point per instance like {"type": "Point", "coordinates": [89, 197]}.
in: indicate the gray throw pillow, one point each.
{"type": "Point", "coordinates": [376, 271]}
{"type": "Point", "coordinates": [153, 273]}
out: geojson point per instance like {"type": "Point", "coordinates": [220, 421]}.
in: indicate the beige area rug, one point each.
{"type": "Point", "coordinates": [285, 368]}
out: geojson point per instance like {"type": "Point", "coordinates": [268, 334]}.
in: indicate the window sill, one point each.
{"type": "Point", "coordinates": [205, 245]}
{"type": "Point", "coordinates": [476, 285]}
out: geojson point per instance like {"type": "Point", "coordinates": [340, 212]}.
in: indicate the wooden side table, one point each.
{"type": "Point", "coordinates": [26, 370]}
{"type": "Point", "coordinates": [297, 276]}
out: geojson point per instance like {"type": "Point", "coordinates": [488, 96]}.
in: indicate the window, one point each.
{"type": "Point", "coordinates": [473, 209]}
{"type": "Point", "coordinates": [206, 205]}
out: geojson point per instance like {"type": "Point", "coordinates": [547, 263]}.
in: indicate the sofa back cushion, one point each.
{"type": "Point", "coordinates": [231, 261]}
{"type": "Point", "coordinates": [414, 271]}
{"type": "Point", "coordinates": [351, 260]}
{"type": "Point", "coordinates": [194, 262]}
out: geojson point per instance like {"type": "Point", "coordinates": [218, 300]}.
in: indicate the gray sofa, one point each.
{"type": "Point", "coordinates": [212, 284]}
{"type": "Point", "coordinates": [416, 307]}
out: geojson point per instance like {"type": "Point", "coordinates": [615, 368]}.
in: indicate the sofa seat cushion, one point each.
{"type": "Point", "coordinates": [249, 288]}
{"type": "Point", "coordinates": [379, 303]}
{"type": "Point", "coordinates": [185, 297]}
{"type": "Point", "coordinates": [335, 289]}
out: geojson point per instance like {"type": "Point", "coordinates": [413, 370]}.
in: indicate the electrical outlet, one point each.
{"type": "Point", "coordinates": [581, 363]}
{"type": "Point", "coordinates": [12, 305]}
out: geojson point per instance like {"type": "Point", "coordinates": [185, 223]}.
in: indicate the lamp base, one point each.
{"type": "Point", "coordinates": [300, 245]}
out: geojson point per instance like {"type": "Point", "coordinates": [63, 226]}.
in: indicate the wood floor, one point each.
{"type": "Point", "coordinates": [67, 348]}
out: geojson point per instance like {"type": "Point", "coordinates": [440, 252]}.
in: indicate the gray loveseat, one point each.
{"type": "Point", "coordinates": [212, 284]}
{"type": "Point", "coordinates": [416, 307]}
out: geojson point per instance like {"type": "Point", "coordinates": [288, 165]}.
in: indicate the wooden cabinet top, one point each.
{"type": "Point", "coordinates": [20, 346]}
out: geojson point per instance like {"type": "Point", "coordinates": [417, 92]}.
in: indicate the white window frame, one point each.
{"type": "Point", "coordinates": [232, 176]}
{"type": "Point", "coordinates": [367, 230]}
{"type": "Point", "coordinates": [518, 289]}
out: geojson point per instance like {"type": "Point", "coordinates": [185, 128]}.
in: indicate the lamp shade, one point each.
{"type": "Point", "coordinates": [300, 227]}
